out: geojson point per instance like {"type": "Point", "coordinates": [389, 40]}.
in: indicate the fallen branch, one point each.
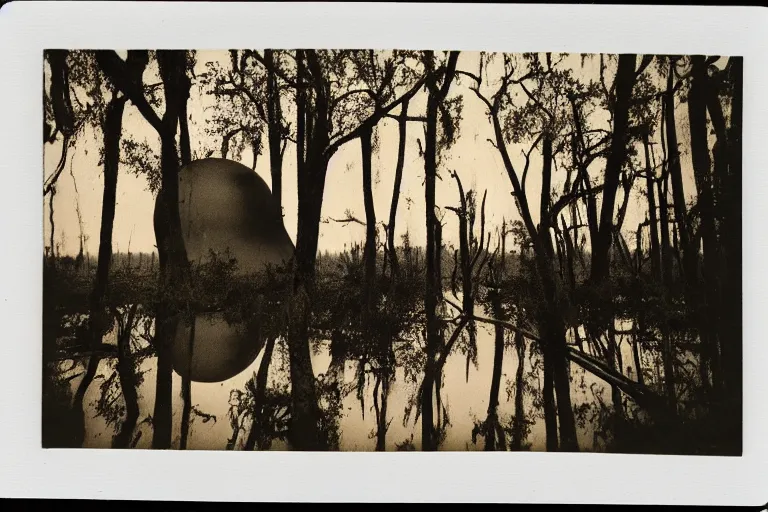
{"type": "Point", "coordinates": [493, 321]}
{"type": "Point", "coordinates": [641, 394]}
{"type": "Point", "coordinates": [348, 220]}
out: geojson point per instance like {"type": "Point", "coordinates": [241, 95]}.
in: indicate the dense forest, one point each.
{"type": "Point", "coordinates": [587, 300]}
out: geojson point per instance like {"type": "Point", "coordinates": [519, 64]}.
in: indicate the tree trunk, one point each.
{"type": "Point", "coordinates": [636, 353]}
{"type": "Point", "coordinates": [690, 264]}
{"type": "Point", "coordinates": [624, 82]}
{"type": "Point", "coordinates": [570, 249]}
{"type": "Point", "coordinates": [312, 166]}
{"type": "Point", "coordinates": [186, 388]}
{"type": "Point", "coordinates": [53, 227]}
{"type": "Point", "coordinates": [174, 264]}
{"type": "Point", "coordinates": [274, 130]}
{"type": "Point", "coordinates": [369, 255]}
{"type": "Point", "coordinates": [113, 128]}
{"type": "Point", "coordinates": [552, 325]}
{"type": "Point", "coordinates": [731, 346]}
{"type": "Point", "coordinates": [428, 441]}
{"type": "Point", "coordinates": [184, 142]}
{"type": "Point", "coordinates": [666, 250]}
{"type": "Point", "coordinates": [498, 359]}
{"type": "Point", "coordinates": [568, 439]}
{"type": "Point", "coordinates": [163, 412]}
{"type": "Point", "coordinates": [668, 354]}
{"type": "Point", "coordinates": [709, 313]}
{"type": "Point", "coordinates": [402, 123]}
{"type": "Point", "coordinates": [381, 417]}
{"type": "Point", "coordinates": [466, 223]}
{"type": "Point", "coordinates": [60, 95]}
{"type": "Point", "coordinates": [613, 358]}
{"type": "Point", "coordinates": [128, 384]}
{"type": "Point", "coordinates": [433, 277]}
{"type": "Point", "coordinates": [78, 402]}
{"type": "Point", "coordinates": [550, 410]}
{"type": "Point", "coordinates": [493, 426]}
{"type": "Point", "coordinates": [519, 421]}
{"type": "Point", "coordinates": [257, 432]}
{"type": "Point", "coordinates": [653, 226]}
{"type": "Point", "coordinates": [186, 382]}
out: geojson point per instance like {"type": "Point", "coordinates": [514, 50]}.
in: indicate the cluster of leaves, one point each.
{"type": "Point", "coordinates": [362, 82]}
{"type": "Point", "coordinates": [330, 402]}
{"type": "Point", "coordinates": [86, 94]}
{"type": "Point", "coordinates": [109, 403]}
{"type": "Point", "coordinates": [140, 159]}
{"type": "Point", "coordinates": [274, 418]}
{"type": "Point", "coordinates": [240, 92]}
{"type": "Point", "coordinates": [505, 424]}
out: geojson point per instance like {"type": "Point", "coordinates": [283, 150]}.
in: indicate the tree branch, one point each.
{"type": "Point", "coordinates": [494, 321]}
{"type": "Point", "coordinates": [371, 121]}
{"type": "Point", "coordinates": [347, 94]}
{"type": "Point", "coordinates": [349, 219]}
{"type": "Point", "coordinates": [274, 69]}
{"type": "Point", "coordinates": [567, 199]}
{"type": "Point", "coordinates": [117, 71]}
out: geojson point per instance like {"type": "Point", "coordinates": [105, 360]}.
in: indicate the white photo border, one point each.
{"type": "Point", "coordinates": [26, 470]}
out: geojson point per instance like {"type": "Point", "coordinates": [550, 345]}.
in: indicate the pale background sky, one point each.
{"type": "Point", "coordinates": [477, 162]}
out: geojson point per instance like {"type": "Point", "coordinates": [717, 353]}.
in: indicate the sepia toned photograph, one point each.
{"type": "Point", "coordinates": [392, 250]}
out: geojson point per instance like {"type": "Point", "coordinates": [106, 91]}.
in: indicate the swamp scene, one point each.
{"type": "Point", "coordinates": [402, 250]}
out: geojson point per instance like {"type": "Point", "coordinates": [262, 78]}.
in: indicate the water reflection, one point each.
{"type": "Point", "coordinates": [221, 411]}
{"type": "Point", "coordinates": [214, 349]}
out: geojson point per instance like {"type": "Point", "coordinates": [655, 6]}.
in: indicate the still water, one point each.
{"type": "Point", "coordinates": [466, 401]}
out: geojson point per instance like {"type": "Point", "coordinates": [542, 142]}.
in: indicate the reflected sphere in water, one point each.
{"type": "Point", "coordinates": [220, 351]}
{"type": "Point", "coordinates": [223, 206]}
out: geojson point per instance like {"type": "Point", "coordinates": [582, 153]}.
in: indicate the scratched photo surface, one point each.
{"type": "Point", "coordinates": [362, 250]}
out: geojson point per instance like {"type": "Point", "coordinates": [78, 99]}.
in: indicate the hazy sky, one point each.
{"type": "Point", "coordinates": [477, 162]}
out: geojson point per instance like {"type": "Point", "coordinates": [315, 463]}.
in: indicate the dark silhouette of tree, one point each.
{"type": "Point", "coordinates": [550, 316]}
{"type": "Point", "coordinates": [98, 318]}
{"type": "Point", "coordinates": [495, 438]}
{"type": "Point", "coordinates": [731, 341]}
{"type": "Point", "coordinates": [64, 114]}
{"type": "Point", "coordinates": [127, 77]}
{"type": "Point", "coordinates": [112, 132]}
{"type": "Point", "coordinates": [402, 127]}
{"type": "Point", "coordinates": [623, 83]}
{"type": "Point", "coordinates": [519, 423]}
{"type": "Point", "coordinates": [277, 131]}
{"type": "Point", "coordinates": [128, 379]}
{"type": "Point", "coordinates": [260, 388]}
{"type": "Point", "coordinates": [369, 253]}
{"type": "Point", "coordinates": [438, 83]}
{"type": "Point", "coordinates": [469, 261]}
